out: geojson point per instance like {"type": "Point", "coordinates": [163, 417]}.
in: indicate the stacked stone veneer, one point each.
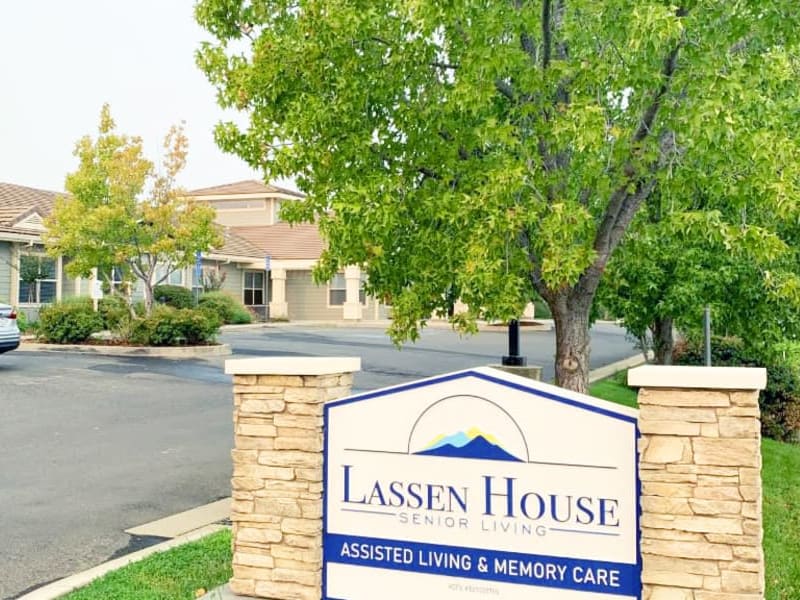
{"type": "Point", "coordinates": [700, 471]}
{"type": "Point", "coordinates": [277, 472]}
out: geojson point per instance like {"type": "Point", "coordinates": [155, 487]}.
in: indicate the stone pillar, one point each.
{"type": "Point", "coordinates": [277, 471]}
{"type": "Point", "coordinates": [352, 309]}
{"type": "Point", "coordinates": [278, 307]}
{"type": "Point", "coordinates": [700, 469]}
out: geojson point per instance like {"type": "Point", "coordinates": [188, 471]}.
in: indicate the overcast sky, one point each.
{"type": "Point", "coordinates": [60, 60]}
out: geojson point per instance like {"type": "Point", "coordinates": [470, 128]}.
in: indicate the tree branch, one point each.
{"type": "Point", "coordinates": [505, 89]}
{"type": "Point", "coordinates": [623, 204]}
{"type": "Point", "coordinates": [668, 71]}
{"type": "Point", "coordinates": [547, 33]}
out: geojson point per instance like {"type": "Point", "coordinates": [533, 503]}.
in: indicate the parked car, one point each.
{"type": "Point", "coordinates": [9, 332]}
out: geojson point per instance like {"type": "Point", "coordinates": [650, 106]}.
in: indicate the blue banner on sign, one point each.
{"type": "Point", "coordinates": [583, 575]}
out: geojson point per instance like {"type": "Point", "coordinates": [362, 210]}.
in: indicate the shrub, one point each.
{"type": "Point", "coordinates": [23, 323]}
{"type": "Point", "coordinates": [227, 308]}
{"type": "Point", "coordinates": [173, 295]}
{"type": "Point", "coordinates": [114, 310]}
{"type": "Point", "coordinates": [69, 322]}
{"type": "Point", "coordinates": [780, 401]}
{"type": "Point", "coordinates": [168, 326]}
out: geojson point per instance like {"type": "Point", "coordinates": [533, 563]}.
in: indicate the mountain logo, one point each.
{"type": "Point", "coordinates": [470, 444]}
{"type": "Point", "coordinates": [468, 426]}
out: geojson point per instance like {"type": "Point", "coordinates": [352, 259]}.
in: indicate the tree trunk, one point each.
{"type": "Point", "coordinates": [129, 300]}
{"type": "Point", "coordinates": [571, 317]}
{"type": "Point", "coordinates": [663, 342]}
{"type": "Point", "coordinates": [148, 297]}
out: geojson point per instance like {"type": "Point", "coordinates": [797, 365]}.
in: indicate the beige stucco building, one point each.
{"type": "Point", "coordinates": [265, 263]}
{"type": "Point", "coordinates": [250, 212]}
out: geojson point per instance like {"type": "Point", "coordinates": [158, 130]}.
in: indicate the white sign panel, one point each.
{"type": "Point", "coordinates": [480, 484]}
{"type": "Point", "coordinates": [97, 289]}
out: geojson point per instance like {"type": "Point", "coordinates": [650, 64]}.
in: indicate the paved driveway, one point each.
{"type": "Point", "coordinates": [92, 445]}
{"type": "Point", "coordinates": [439, 350]}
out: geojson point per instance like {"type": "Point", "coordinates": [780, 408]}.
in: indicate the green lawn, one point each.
{"type": "Point", "coordinates": [176, 574]}
{"type": "Point", "coordinates": [781, 482]}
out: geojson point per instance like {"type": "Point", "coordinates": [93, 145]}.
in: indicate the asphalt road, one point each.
{"type": "Point", "coordinates": [92, 445]}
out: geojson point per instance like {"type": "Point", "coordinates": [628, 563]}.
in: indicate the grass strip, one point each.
{"type": "Point", "coordinates": [781, 491]}
{"type": "Point", "coordinates": [176, 574]}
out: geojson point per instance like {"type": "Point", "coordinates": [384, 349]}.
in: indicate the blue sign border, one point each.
{"type": "Point", "coordinates": [486, 377]}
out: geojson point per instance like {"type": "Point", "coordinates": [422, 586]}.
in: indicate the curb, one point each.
{"type": "Point", "coordinates": [156, 352]}
{"type": "Point", "coordinates": [616, 367]}
{"type": "Point", "coordinates": [63, 586]}
{"type": "Point", "coordinates": [535, 325]}
{"type": "Point", "coordinates": [72, 582]}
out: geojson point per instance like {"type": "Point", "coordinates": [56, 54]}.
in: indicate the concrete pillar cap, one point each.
{"type": "Point", "coordinates": [702, 378]}
{"type": "Point", "coordinates": [293, 365]}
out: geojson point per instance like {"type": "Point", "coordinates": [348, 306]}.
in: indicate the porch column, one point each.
{"type": "Point", "coordinates": [352, 304]}
{"type": "Point", "coordinates": [278, 307]}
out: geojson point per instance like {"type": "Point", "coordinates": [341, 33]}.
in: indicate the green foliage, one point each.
{"type": "Point", "coordinates": [175, 574]}
{"type": "Point", "coordinates": [498, 148]}
{"type": "Point", "coordinates": [23, 324]}
{"type": "Point", "coordinates": [673, 264]}
{"type": "Point", "coordinates": [226, 307]}
{"type": "Point", "coordinates": [69, 322]}
{"type": "Point", "coordinates": [123, 213]}
{"type": "Point", "coordinates": [173, 295]}
{"type": "Point", "coordinates": [780, 401]}
{"type": "Point", "coordinates": [168, 326]}
{"type": "Point", "coordinates": [114, 310]}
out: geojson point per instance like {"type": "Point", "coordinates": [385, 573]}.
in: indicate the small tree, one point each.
{"type": "Point", "coordinates": [121, 213]}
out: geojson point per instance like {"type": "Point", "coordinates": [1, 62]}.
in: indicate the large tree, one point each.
{"type": "Point", "coordinates": [493, 148]}
{"type": "Point", "coordinates": [122, 214]}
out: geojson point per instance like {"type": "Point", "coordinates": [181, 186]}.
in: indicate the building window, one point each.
{"type": "Point", "coordinates": [253, 288]}
{"type": "Point", "coordinates": [37, 279]}
{"type": "Point", "coordinates": [238, 204]}
{"type": "Point", "coordinates": [173, 278]}
{"type": "Point", "coordinates": [337, 290]}
{"type": "Point", "coordinates": [276, 211]}
{"type": "Point", "coordinates": [116, 280]}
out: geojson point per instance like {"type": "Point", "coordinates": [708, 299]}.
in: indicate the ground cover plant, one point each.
{"type": "Point", "coordinates": [177, 574]}
{"type": "Point", "coordinates": [781, 482]}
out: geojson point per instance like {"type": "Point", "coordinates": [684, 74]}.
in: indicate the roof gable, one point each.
{"type": "Point", "coordinates": [30, 219]}
{"type": "Point", "coordinates": [246, 187]}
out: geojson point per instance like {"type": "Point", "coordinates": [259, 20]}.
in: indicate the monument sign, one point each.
{"type": "Point", "coordinates": [480, 484]}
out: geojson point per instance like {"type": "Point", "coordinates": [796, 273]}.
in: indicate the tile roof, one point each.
{"type": "Point", "coordinates": [249, 186]}
{"type": "Point", "coordinates": [284, 241]}
{"type": "Point", "coordinates": [18, 201]}
{"type": "Point", "coordinates": [238, 246]}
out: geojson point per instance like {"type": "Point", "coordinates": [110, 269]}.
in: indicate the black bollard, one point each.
{"type": "Point", "coordinates": [513, 359]}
